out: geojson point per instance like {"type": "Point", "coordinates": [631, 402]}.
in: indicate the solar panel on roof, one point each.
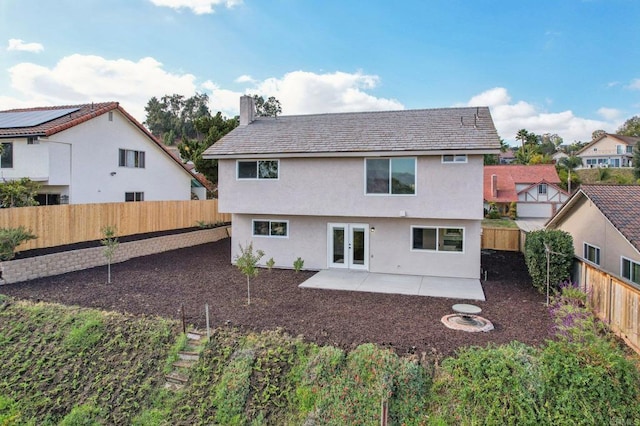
{"type": "Point", "coordinates": [17, 119]}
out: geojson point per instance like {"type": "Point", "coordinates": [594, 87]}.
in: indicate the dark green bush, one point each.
{"type": "Point", "coordinates": [560, 244]}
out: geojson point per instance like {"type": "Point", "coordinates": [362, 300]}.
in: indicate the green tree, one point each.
{"type": "Point", "coordinates": [10, 238]}
{"type": "Point", "coordinates": [19, 193]}
{"type": "Point", "coordinates": [558, 245]}
{"type": "Point", "coordinates": [529, 146]}
{"type": "Point", "coordinates": [247, 262]}
{"type": "Point", "coordinates": [631, 127]}
{"type": "Point", "coordinates": [110, 243]}
{"type": "Point", "coordinates": [176, 116]}
{"type": "Point", "coordinates": [636, 160]}
{"type": "Point", "coordinates": [269, 108]}
{"type": "Point", "coordinates": [597, 133]}
{"type": "Point", "coordinates": [569, 178]}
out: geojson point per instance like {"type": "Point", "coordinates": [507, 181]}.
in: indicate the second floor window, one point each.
{"type": "Point", "coordinates": [6, 159]}
{"type": "Point", "coordinates": [258, 169]}
{"type": "Point", "coordinates": [542, 189]}
{"type": "Point", "coordinates": [630, 270]}
{"type": "Point", "coordinates": [394, 176]}
{"type": "Point", "coordinates": [131, 158]}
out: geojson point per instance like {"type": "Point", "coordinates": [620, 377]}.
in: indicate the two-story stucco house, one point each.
{"type": "Point", "coordinates": [608, 150]}
{"type": "Point", "coordinates": [91, 153]}
{"type": "Point", "coordinates": [392, 192]}
{"type": "Point", "coordinates": [604, 221]}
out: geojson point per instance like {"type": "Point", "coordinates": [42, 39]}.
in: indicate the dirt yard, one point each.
{"type": "Point", "coordinates": [160, 284]}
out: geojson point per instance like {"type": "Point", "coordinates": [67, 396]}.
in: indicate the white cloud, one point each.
{"type": "Point", "coordinates": [509, 117]}
{"type": "Point", "coordinates": [19, 45]}
{"type": "Point", "coordinates": [245, 79]}
{"type": "Point", "coordinates": [199, 7]}
{"type": "Point", "coordinates": [87, 78]}
{"type": "Point", "coordinates": [635, 84]}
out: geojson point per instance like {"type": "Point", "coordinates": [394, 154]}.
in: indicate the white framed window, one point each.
{"type": "Point", "coordinates": [270, 228]}
{"type": "Point", "coordinates": [454, 158]}
{"type": "Point", "coordinates": [542, 189]}
{"type": "Point", "coordinates": [630, 269]}
{"type": "Point", "coordinates": [390, 176]}
{"type": "Point", "coordinates": [131, 158]}
{"type": "Point", "coordinates": [33, 140]}
{"type": "Point", "coordinates": [435, 238]}
{"type": "Point", "coordinates": [6, 159]}
{"type": "Point", "coordinates": [133, 196]}
{"type": "Point", "coordinates": [591, 253]}
{"type": "Point", "coordinates": [257, 169]}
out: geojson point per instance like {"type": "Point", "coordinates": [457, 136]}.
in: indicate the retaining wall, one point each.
{"type": "Point", "coordinates": [74, 260]}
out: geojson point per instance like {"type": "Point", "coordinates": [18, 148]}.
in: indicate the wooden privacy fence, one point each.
{"type": "Point", "coordinates": [74, 223]}
{"type": "Point", "coordinates": [613, 301]}
{"type": "Point", "coordinates": [508, 239]}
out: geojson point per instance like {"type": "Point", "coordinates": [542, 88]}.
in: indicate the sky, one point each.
{"type": "Point", "coordinates": [565, 67]}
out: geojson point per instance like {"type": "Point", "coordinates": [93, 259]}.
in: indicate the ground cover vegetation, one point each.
{"type": "Point", "coordinates": [69, 365]}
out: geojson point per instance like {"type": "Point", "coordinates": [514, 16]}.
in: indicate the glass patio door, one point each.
{"type": "Point", "coordinates": [348, 246]}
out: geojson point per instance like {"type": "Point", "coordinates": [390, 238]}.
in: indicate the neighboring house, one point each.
{"type": "Point", "coordinates": [535, 189]}
{"type": "Point", "coordinates": [91, 153]}
{"type": "Point", "coordinates": [507, 157]}
{"type": "Point", "coordinates": [389, 191]}
{"type": "Point", "coordinates": [608, 150]}
{"type": "Point", "coordinates": [604, 221]}
{"type": "Point", "coordinates": [559, 155]}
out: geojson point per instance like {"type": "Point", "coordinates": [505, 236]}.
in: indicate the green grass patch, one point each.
{"type": "Point", "coordinates": [499, 223]}
{"type": "Point", "coordinates": [614, 175]}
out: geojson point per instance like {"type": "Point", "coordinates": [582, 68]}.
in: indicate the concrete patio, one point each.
{"type": "Point", "coordinates": [415, 285]}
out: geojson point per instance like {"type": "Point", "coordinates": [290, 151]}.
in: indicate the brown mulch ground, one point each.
{"type": "Point", "coordinates": [159, 284]}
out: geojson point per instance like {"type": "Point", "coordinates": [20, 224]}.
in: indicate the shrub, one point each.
{"type": "Point", "coordinates": [513, 210]}
{"type": "Point", "coordinates": [82, 415]}
{"type": "Point", "coordinates": [10, 238]}
{"type": "Point", "coordinates": [270, 263]}
{"type": "Point", "coordinates": [493, 212]}
{"type": "Point", "coordinates": [560, 245]}
{"type": "Point", "coordinates": [298, 264]}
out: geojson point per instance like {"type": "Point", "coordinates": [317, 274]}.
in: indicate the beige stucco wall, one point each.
{"type": "Point", "coordinates": [586, 224]}
{"type": "Point", "coordinates": [389, 244]}
{"type": "Point", "coordinates": [336, 187]}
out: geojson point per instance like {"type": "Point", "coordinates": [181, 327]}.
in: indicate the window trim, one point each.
{"type": "Point", "coordinates": [437, 228]}
{"type": "Point", "coordinates": [270, 221]}
{"type": "Point", "coordinates": [139, 157]}
{"type": "Point", "coordinates": [10, 166]}
{"type": "Point", "coordinates": [257, 161]}
{"type": "Point", "coordinates": [391, 194]}
{"type": "Point", "coordinates": [585, 246]}
{"type": "Point", "coordinates": [454, 159]}
{"type": "Point", "coordinates": [631, 263]}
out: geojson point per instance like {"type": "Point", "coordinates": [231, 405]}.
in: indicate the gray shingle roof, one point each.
{"type": "Point", "coordinates": [621, 205]}
{"type": "Point", "coordinates": [408, 130]}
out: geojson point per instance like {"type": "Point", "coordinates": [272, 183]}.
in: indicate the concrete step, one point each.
{"type": "Point", "coordinates": [176, 378]}
{"type": "Point", "coordinates": [196, 335]}
{"type": "Point", "coordinates": [184, 363]}
{"type": "Point", "coordinates": [188, 356]}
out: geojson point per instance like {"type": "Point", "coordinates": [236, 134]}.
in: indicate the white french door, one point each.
{"type": "Point", "coordinates": [348, 246]}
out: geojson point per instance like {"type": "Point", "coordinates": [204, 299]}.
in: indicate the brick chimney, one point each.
{"type": "Point", "coordinates": [247, 110]}
{"type": "Point", "coordinates": [494, 186]}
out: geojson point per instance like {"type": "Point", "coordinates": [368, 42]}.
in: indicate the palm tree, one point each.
{"type": "Point", "coordinates": [570, 163]}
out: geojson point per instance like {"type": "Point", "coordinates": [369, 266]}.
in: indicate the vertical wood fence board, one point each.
{"type": "Point", "coordinates": [501, 239]}
{"type": "Point", "coordinates": [615, 302]}
{"type": "Point", "coordinates": [69, 224]}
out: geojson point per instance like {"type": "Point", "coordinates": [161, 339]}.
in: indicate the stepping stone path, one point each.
{"type": "Point", "coordinates": [187, 358]}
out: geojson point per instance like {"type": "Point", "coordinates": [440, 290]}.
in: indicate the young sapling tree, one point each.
{"type": "Point", "coordinates": [110, 243]}
{"type": "Point", "coordinates": [247, 262]}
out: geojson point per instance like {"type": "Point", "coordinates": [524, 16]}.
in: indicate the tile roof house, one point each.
{"type": "Point", "coordinates": [604, 221]}
{"type": "Point", "coordinates": [535, 189]}
{"type": "Point", "coordinates": [91, 153]}
{"type": "Point", "coordinates": [608, 150]}
{"type": "Point", "coordinates": [390, 191]}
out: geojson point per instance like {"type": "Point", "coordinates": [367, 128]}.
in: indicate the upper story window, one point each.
{"type": "Point", "coordinates": [33, 140]}
{"type": "Point", "coordinates": [258, 169]}
{"type": "Point", "coordinates": [395, 176]}
{"type": "Point", "coordinates": [457, 158]}
{"type": "Point", "coordinates": [6, 159]}
{"type": "Point", "coordinates": [629, 149]}
{"type": "Point", "coordinates": [131, 158]}
{"type": "Point", "coordinates": [591, 253]}
{"type": "Point", "coordinates": [542, 189]}
{"type": "Point", "coordinates": [630, 270]}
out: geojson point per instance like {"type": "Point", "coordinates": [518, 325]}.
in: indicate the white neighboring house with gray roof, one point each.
{"type": "Point", "coordinates": [387, 192]}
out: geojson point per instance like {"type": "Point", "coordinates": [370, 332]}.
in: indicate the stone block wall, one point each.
{"type": "Point", "coordinates": [74, 260]}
